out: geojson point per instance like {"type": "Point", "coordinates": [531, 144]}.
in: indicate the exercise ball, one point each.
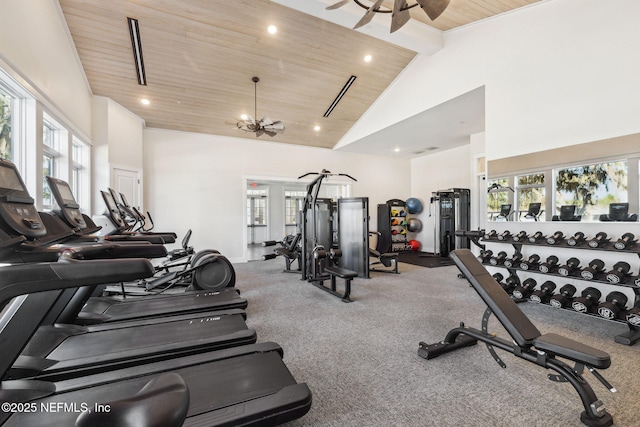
{"type": "Point", "coordinates": [414, 205]}
{"type": "Point", "coordinates": [415, 245]}
{"type": "Point", "coordinates": [414, 225]}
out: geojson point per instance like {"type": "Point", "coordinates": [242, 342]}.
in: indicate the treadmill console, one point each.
{"type": "Point", "coordinates": [17, 208]}
{"type": "Point", "coordinates": [112, 209]}
{"type": "Point", "coordinates": [69, 208]}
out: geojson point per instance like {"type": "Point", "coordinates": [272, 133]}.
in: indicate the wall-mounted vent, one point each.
{"type": "Point", "coordinates": [134, 32]}
{"type": "Point", "coordinates": [344, 90]}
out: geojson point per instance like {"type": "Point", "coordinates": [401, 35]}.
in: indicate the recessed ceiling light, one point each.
{"type": "Point", "coordinates": [145, 101]}
{"type": "Point", "coordinates": [397, 150]}
{"type": "Point", "coordinates": [316, 128]}
{"type": "Point", "coordinates": [244, 116]}
{"type": "Point", "coordinates": [272, 29]}
{"type": "Point", "coordinates": [367, 58]}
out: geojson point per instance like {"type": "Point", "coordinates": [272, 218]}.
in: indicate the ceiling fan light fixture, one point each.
{"type": "Point", "coordinates": [265, 125]}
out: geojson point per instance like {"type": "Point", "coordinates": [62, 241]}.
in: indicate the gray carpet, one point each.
{"type": "Point", "coordinates": [360, 359]}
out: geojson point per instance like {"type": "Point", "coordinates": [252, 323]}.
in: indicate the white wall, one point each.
{"type": "Point", "coordinates": [35, 42]}
{"type": "Point", "coordinates": [558, 73]}
{"type": "Point", "coordinates": [199, 181]}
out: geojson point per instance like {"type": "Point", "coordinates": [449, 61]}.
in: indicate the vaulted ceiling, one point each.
{"type": "Point", "coordinates": [200, 56]}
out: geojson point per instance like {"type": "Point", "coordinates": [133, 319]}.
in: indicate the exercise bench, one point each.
{"type": "Point", "coordinates": [343, 273]}
{"type": "Point", "coordinates": [527, 342]}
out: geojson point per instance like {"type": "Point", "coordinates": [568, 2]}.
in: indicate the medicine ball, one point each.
{"type": "Point", "coordinates": [414, 205]}
{"type": "Point", "coordinates": [414, 225]}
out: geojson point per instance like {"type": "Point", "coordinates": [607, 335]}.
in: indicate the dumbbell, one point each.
{"type": "Point", "coordinates": [569, 267]}
{"type": "Point", "coordinates": [562, 298]}
{"type": "Point", "coordinates": [504, 235]}
{"type": "Point", "coordinates": [498, 259]}
{"type": "Point", "coordinates": [577, 239]}
{"type": "Point", "coordinates": [510, 284]}
{"type": "Point", "coordinates": [613, 306]}
{"type": "Point", "coordinates": [590, 297]}
{"type": "Point", "coordinates": [633, 316]}
{"type": "Point", "coordinates": [595, 267]}
{"type": "Point", "coordinates": [520, 236]}
{"type": "Point", "coordinates": [525, 289]}
{"type": "Point", "coordinates": [544, 294]}
{"type": "Point", "coordinates": [493, 234]}
{"type": "Point", "coordinates": [513, 261]}
{"type": "Point", "coordinates": [485, 256]}
{"type": "Point", "coordinates": [498, 277]}
{"type": "Point", "coordinates": [620, 270]}
{"type": "Point", "coordinates": [625, 242]}
{"type": "Point", "coordinates": [536, 237]}
{"type": "Point", "coordinates": [599, 240]}
{"type": "Point", "coordinates": [549, 265]}
{"type": "Point", "coordinates": [530, 263]}
{"type": "Point", "coordinates": [555, 238]}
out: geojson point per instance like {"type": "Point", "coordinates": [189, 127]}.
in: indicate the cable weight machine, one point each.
{"type": "Point", "coordinates": [452, 212]}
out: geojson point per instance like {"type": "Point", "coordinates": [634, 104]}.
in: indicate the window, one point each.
{"type": "Point", "coordinates": [530, 189]}
{"type": "Point", "coordinates": [80, 171]}
{"type": "Point", "coordinates": [498, 196]}
{"type": "Point", "coordinates": [50, 157]}
{"type": "Point", "coordinates": [6, 146]}
{"type": "Point", "coordinates": [293, 203]}
{"type": "Point", "coordinates": [256, 207]}
{"type": "Point", "coordinates": [591, 187]}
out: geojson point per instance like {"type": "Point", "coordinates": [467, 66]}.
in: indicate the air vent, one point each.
{"type": "Point", "coordinates": [344, 90]}
{"type": "Point", "coordinates": [419, 152]}
{"type": "Point", "coordinates": [431, 148]}
{"type": "Point", "coordinates": [134, 32]}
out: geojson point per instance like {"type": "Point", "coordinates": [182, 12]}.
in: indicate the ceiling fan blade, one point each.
{"type": "Point", "coordinates": [278, 125]}
{"type": "Point", "coordinates": [337, 5]}
{"type": "Point", "coordinates": [433, 8]}
{"type": "Point", "coordinates": [265, 121]}
{"type": "Point", "coordinates": [400, 15]}
{"type": "Point", "coordinates": [368, 16]}
{"type": "Point", "coordinates": [270, 133]}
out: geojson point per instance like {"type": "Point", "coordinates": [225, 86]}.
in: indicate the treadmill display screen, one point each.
{"type": "Point", "coordinates": [9, 179]}
{"type": "Point", "coordinates": [65, 192]}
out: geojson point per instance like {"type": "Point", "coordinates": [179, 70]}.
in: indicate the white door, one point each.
{"type": "Point", "coordinates": [127, 182]}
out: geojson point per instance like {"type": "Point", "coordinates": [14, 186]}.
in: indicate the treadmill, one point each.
{"type": "Point", "coordinates": [18, 213]}
{"type": "Point", "coordinates": [246, 385]}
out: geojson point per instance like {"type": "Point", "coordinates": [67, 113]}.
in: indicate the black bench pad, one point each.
{"type": "Point", "coordinates": [343, 273]}
{"type": "Point", "coordinates": [572, 350]}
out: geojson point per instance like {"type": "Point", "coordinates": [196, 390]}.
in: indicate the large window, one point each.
{"type": "Point", "coordinates": [80, 171]}
{"type": "Point", "coordinates": [6, 148]}
{"type": "Point", "coordinates": [497, 197]}
{"type": "Point", "coordinates": [293, 203]}
{"type": "Point", "coordinates": [591, 188]}
{"type": "Point", "coordinates": [50, 159]}
{"type": "Point", "coordinates": [530, 189]}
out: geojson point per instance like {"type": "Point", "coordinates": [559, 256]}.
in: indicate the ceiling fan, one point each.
{"type": "Point", "coordinates": [265, 125]}
{"type": "Point", "coordinates": [400, 12]}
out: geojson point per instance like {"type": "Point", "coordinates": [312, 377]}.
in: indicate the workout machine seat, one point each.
{"type": "Point", "coordinates": [387, 259]}
{"type": "Point", "coordinates": [343, 273]}
{"type": "Point", "coordinates": [527, 341]}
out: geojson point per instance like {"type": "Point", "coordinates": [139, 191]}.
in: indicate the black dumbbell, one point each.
{"type": "Point", "coordinates": [549, 265]}
{"type": "Point", "coordinates": [513, 261]}
{"type": "Point", "coordinates": [562, 298]}
{"type": "Point", "coordinates": [498, 259]}
{"type": "Point", "coordinates": [595, 267]}
{"type": "Point", "coordinates": [613, 306]}
{"type": "Point", "coordinates": [493, 234]}
{"type": "Point", "coordinates": [530, 263]}
{"type": "Point", "coordinates": [599, 240]}
{"type": "Point", "coordinates": [633, 316]}
{"type": "Point", "coordinates": [504, 235]}
{"type": "Point", "coordinates": [510, 284]}
{"type": "Point", "coordinates": [620, 271]}
{"type": "Point", "coordinates": [625, 242]}
{"type": "Point", "coordinates": [555, 238]}
{"type": "Point", "coordinates": [569, 267]}
{"type": "Point", "coordinates": [525, 289]}
{"type": "Point", "coordinates": [520, 236]}
{"type": "Point", "coordinates": [576, 240]}
{"type": "Point", "coordinates": [498, 277]}
{"type": "Point", "coordinates": [588, 300]}
{"type": "Point", "coordinates": [544, 294]}
{"type": "Point", "coordinates": [536, 237]}
{"type": "Point", "coordinates": [485, 256]}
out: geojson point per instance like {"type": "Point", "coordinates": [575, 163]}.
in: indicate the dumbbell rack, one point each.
{"type": "Point", "coordinates": [630, 281]}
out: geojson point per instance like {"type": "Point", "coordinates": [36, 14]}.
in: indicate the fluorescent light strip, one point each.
{"type": "Point", "coordinates": [344, 90]}
{"type": "Point", "coordinates": [134, 31]}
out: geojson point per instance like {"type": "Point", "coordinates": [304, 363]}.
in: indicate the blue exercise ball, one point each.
{"type": "Point", "coordinates": [414, 205]}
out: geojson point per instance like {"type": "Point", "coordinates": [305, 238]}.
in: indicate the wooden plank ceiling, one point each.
{"type": "Point", "coordinates": [200, 56]}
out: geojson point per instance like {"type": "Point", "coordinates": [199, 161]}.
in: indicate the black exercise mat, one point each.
{"type": "Point", "coordinates": [424, 259]}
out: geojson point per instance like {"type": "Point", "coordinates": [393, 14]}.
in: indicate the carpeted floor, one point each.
{"type": "Point", "coordinates": [360, 359]}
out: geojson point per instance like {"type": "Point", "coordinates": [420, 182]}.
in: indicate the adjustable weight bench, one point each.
{"type": "Point", "coordinates": [527, 342]}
